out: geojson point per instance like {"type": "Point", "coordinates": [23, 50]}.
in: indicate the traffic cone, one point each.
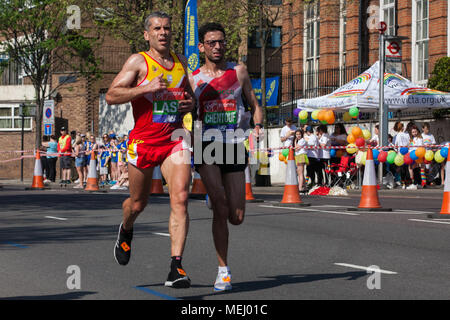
{"type": "Point", "coordinates": [445, 209]}
{"type": "Point", "coordinates": [92, 177]}
{"type": "Point", "coordinates": [291, 195]}
{"type": "Point", "coordinates": [369, 193]}
{"type": "Point", "coordinates": [38, 177]}
{"type": "Point", "coordinates": [248, 187]}
{"type": "Point", "coordinates": [198, 189]}
{"type": "Point", "coordinates": [157, 184]}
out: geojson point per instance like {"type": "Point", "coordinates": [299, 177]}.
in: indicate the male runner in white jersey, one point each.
{"type": "Point", "coordinates": [157, 85]}
{"type": "Point", "coordinates": [218, 87]}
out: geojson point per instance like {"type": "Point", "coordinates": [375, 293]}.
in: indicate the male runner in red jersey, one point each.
{"type": "Point", "coordinates": [157, 85]}
{"type": "Point", "coordinates": [219, 87]}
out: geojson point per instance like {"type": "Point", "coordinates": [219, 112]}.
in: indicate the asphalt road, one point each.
{"type": "Point", "coordinates": [58, 244]}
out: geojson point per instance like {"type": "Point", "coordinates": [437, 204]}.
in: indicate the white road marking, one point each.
{"type": "Point", "coordinates": [56, 218]}
{"type": "Point", "coordinates": [354, 266]}
{"type": "Point", "coordinates": [161, 234]}
{"type": "Point", "coordinates": [430, 221]}
{"type": "Point", "coordinates": [312, 210]}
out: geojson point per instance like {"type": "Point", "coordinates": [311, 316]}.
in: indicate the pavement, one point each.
{"type": "Point", "coordinates": [57, 244]}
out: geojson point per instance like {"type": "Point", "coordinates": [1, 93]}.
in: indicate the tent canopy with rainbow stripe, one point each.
{"type": "Point", "coordinates": [363, 92]}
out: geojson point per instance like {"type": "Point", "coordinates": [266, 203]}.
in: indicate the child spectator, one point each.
{"type": "Point", "coordinates": [301, 158]}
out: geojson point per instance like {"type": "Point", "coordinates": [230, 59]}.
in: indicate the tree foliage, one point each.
{"type": "Point", "coordinates": [36, 37]}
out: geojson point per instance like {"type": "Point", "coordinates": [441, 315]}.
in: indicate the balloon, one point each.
{"type": "Point", "coordinates": [438, 157]}
{"type": "Point", "coordinates": [420, 152]}
{"type": "Point", "coordinates": [315, 114]}
{"type": "Point", "coordinates": [391, 157]}
{"type": "Point", "coordinates": [366, 134]}
{"type": "Point", "coordinates": [351, 138]}
{"type": "Point", "coordinates": [353, 112]}
{"type": "Point", "coordinates": [303, 115]}
{"type": "Point", "coordinates": [404, 150]}
{"type": "Point", "coordinates": [420, 160]}
{"type": "Point", "coordinates": [285, 161]}
{"type": "Point", "coordinates": [429, 155]}
{"type": "Point", "coordinates": [407, 159]}
{"type": "Point", "coordinates": [304, 121]}
{"type": "Point", "coordinates": [357, 132]}
{"type": "Point", "coordinates": [281, 157]}
{"type": "Point", "coordinates": [329, 116]}
{"type": "Point", "coordinates": [285, 152]}
{"type": "Point", "coordinates": [347, 117]}
{"type": "Point", "coordinates": [375, 154]}
{"type": "Point", "coordinates": [351, 148]}
{"type": "Point", "coordinates": [382, 157]}
{"type": "Point", "coordinates": [333, 153]}
{"type": "Point", "coordinates": [321, 115]}
{"type": "Point", "coordinates": [296, 112]}
{"type": "Point", "coordinates": [413, 155]}
{"type": "Point", "coordinates": [398, 160]}
{"type": "Point", "coordinates": [444, 152]}
{"type": "Point", "coordinates": [360, 142]}
{"type": "Point", "coordinates": [363, 158]}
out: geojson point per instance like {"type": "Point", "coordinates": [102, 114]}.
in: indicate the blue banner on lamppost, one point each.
{"type": "Point", "coordinates": [191, 35]}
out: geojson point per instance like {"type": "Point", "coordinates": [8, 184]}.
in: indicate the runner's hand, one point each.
{"type": "Point", "coordinates": [157, 84]}
{"type": "Point", "coordinates": [186, 105]}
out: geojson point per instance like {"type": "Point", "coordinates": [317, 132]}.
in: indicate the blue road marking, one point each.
{"type": "Point", "coordinates": [16, 245]}
{"type": "Point", "coordinates": [156, 293]}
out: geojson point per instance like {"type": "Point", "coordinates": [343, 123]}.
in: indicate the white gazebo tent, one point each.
{"type": "Point", "coordinates": [363, 92]}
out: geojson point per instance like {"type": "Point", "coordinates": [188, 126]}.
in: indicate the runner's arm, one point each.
{"type": "Point", "coordinates": [257, 112]}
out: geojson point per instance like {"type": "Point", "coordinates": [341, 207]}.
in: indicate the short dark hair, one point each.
{"type": "Point", "coordinates": [208, 27]}
{"type": "Point", "coordinates": [156, 14]}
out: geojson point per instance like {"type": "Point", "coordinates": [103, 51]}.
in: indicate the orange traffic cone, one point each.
{"type": "Point", "coordinates": [248, 187]}
{"type": "Point", "coordinates": [369, 194]}
{"type": "Point", "coordinates": [38, 178]}
{"type": "Point", "coordinates": [291, 194]}
{"type": "Point", "coordinates": [157, 184]}
{"type": "Point", "coordinates": [198, 189]}
{"type": "Point", "coordinates": [92, 177]}
{"type": "Point", "coordinates": [445, 209]}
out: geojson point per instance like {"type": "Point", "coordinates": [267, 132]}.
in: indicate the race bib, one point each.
{"type": "Point", "coordinates": [165, 105]}
{"type": "Point", "coordinates": [220, 112]}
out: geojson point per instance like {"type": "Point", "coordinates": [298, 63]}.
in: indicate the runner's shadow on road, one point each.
{"type": "Point", "coordinates": [277, 281]}
{"type": "Point", "coordinates": [64, 296]}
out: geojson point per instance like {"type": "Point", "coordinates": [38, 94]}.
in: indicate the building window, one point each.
{"type": "Point", "coordinates": [274, 40]}
{"type": "Point", "coordinates": [312, 45]}
{"type": "Point", "coordinates": [10, 119]}
{"type": "Point", "coordinates": [421, 39]}
{"type": "Point", "coordinates": [388, 15]}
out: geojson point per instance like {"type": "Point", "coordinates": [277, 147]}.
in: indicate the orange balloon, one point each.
{"type": "Point", "coordinates": [329, 116]}
{"type": "Point", "coordinates": [419, 161]}
{"type": "Point", "coordinates": [281, 157]}
{"type": "Point", "coordinates": [351, 138]}
{"type": "Point", "coordinates": [321, 115]}
{"type": "Point", "coordinates": [420, 152]}
{"type": "Point", "coordinates": [356, 132]}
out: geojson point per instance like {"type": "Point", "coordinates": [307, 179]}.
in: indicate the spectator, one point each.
{"type": "Point", "coordinates": [44, 162]}
{"type": "Point", "coordinates": [52, 157]}
{"type": "Point", "coordinates": [324, 152]}
{"type": "Point", "coordinates": [416, 140]}
{"type": "Point", "coordinates": [301, 158]}
{"type": "Point", "coordinates": [313, 168]}
{"type": "Point", "coordinates": [287, 133]}
{"type": "Point", "coordinates": [338, 139]}
{"type": "Point", "coordinates": [375, 140]}
{"type": "Point", "coordinates": [86, 157]}
{"type": "Point", "coordinates": [65, 154]}
{"type": "Point", "coordinates": [114, 160]}
{"type": "Point", "coordinates": [80, 162]}
{"type": "Point", "coordinates": [427, 137]}
{"type": "Point", "coordinates": [401, 139]}
{"type": "Point", "coordinates": [104, 155]}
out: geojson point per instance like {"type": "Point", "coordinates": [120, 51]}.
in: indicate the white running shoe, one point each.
{"type": "Point", "coordinates": [411, 187]}
{"type": "Point", "coordinates": [223, 281]}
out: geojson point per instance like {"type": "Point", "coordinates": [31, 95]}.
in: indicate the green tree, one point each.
{"type": "Point", "coordinates": [37, 35]}
{"type": "Point", "coordinates": [440, 80]}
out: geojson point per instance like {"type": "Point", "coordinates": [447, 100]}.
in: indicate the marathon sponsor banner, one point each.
{"type": "Point", "coordinates": [271, 90]}
{"type": "Point", "coordinates": [191, 35]}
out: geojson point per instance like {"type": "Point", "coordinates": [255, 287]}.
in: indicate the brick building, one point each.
{"type": "Point", "coordinates": [334, 40]}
